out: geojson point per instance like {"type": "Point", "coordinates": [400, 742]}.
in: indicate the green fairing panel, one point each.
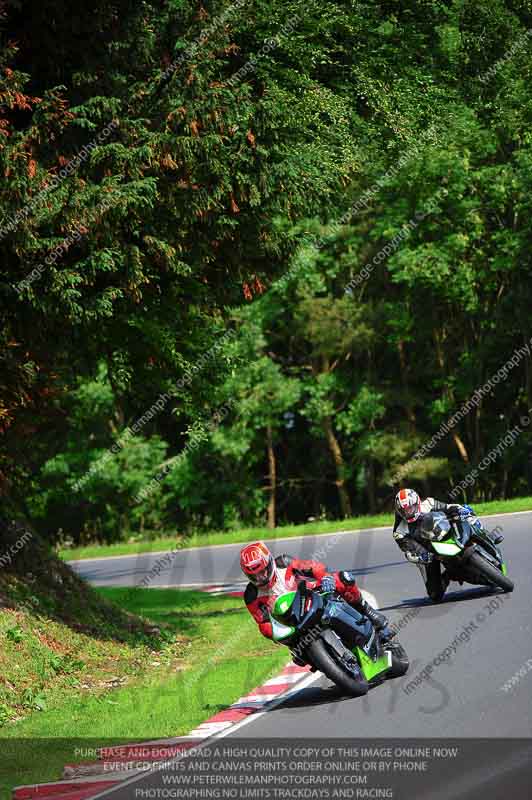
{"type": "Point", "coordinates": [372, 668]}
{"type": "Point", "coordinates": [448, 548]}
{"type": "Point", "coordinates": [280, 632]}
{"type": "Point", "coordinates": [283, 604]}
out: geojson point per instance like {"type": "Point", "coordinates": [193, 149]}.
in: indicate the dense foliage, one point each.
{"type": "Point", "coordinates": [255, 254]}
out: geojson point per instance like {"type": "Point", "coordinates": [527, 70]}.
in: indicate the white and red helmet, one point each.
{"type": "Point", "coordinates": [258, 564]}
{"type": "Point", "coordinates": [408, 504]}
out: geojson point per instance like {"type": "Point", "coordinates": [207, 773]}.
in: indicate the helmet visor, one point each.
{"type": "Point", "coordinates": [411, 512]}
{"type": "Point", "coordinates": [263, 576]}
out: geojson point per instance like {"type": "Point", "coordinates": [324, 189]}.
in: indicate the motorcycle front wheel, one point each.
{"type": "Point", "coordinates": [325, 662]}
{"type": "Point", "coordinates": [490, 572]}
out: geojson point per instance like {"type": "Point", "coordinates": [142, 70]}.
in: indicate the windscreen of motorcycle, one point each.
{"type": "Point", "coordinates": [435, 526]}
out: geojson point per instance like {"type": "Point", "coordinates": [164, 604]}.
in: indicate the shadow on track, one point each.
{"type": "Point", "coordinates": [318, 696]}
{"type": "Point", "coordinates": [372, 568]}
{"type": "Point", "coordinates": [456, 596]}
{"type": "Point", "coordinates": [314, 696]}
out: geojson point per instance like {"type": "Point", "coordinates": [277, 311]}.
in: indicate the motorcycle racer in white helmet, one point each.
{"type": "Point", "coordinates": [409, 511]}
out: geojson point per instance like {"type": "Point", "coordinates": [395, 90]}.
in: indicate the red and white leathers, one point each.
{"type": "Point", "coordinates": [260, 600]}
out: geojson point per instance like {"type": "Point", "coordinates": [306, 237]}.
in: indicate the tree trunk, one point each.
{"type": "Point", "coordinates": [504, 482]}
{"type": "Point", "coordinates": [461, 447]}
{"type": "Point", "coordinates": [370, 487]}
{"type": "Point", "coordinates": [439, 339]}
{"type": "Point", "coordinates": [409, 409]}
{"type": "Point", "coordinates": [477, 434]}
{"type": "Point", "coordinates": [334, 446]}
{"type": "Point", "coordinates": [272, 475]}
{"type": "Point", "coordinates": [528, 375]}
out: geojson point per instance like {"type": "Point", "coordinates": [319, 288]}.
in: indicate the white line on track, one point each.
{"type": "Point", "coordinates": [279, 680]}
{"type": "Point", "coordinates": [289, 694]}
{"type": "Point", "coordinates": [312, 678]}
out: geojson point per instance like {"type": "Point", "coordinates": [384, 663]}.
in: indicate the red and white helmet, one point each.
{"type": "Point", "coordinates": [258, 564]}
{"type": "Point", "coordinates": [408, 504]}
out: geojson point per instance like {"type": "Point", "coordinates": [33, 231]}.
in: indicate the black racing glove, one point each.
{"type": "Point", "coordinates": [453, 513]}
{"type": "Point", "coordinates": [415, 552]}
{"type": "Point", "coordinates": [420, 558]}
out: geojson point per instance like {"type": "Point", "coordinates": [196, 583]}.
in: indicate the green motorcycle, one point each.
{"type": "Point", "coordinates": [326, 632]}
{"type": "Point", "coordinates": [467, 555]}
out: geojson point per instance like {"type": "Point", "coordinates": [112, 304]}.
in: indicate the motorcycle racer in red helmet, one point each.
{"type": "Point", "coordinates": [270, 577]}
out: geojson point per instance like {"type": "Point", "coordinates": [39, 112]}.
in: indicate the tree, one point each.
{"type": "Point", "coordinates": [262, 395]}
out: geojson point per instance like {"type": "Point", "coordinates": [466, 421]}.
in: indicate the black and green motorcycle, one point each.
{"type": "Point", "coordinates": [326, 632]}
{"type": "Point", "coordinates": [469, 555]}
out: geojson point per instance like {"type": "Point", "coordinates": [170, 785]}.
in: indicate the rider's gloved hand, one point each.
{"type": "Point", "coordinates": [453, 513]}
{"type": "Point", "coordinates": [387, 633]}
{"type": "Point", "coordinates": [328, 584]}
{"type": "Point", "coordinates": [420, 558]}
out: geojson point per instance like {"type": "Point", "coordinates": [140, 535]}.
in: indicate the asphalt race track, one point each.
{"type": "Point", "coordinates": [461, 697]}
{"type": "Point", "coordinates": [478, 639]}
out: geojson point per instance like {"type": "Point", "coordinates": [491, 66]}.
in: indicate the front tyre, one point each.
{"type": "Point", "coordinates": [323, 660]}
{"type": "Point", "coordinates": [490, 573]}
{"type": "Point", "coordinates": [435, 583]}
{"type": "Point", "coordinates": [436, 595]}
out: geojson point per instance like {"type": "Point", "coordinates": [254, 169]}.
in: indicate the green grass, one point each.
{"type": "Point", "coordinates": [286, 531]}
{"type": "Point", "coordinates": [212, 654]}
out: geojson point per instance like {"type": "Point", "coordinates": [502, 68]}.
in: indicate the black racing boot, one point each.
{"type": "Point", "coordinates": [377, 619]}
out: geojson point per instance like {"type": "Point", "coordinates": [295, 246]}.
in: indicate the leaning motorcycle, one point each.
{"type": "Point", "coordinates": [326, 632]}
{"type": "Point", "coordinates": [466, 554]}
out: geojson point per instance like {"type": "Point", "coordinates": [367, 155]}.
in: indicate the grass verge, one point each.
{"type": "Point", "coordinates": [69, 684]}
{"type": "Point", "coordinates": [286, 531]}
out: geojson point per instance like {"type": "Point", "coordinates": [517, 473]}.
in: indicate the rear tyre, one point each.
{"type": "Point", "coordinates": [400, 660]}
{"type": "Point", "coordinates": [436, 583]}
{"type": "Point", "coordinates": [491, 573]}
{"type": "Point", "coordinates": [322, 659]}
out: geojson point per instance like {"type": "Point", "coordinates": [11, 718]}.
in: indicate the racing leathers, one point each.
{"type": "Point", "coordinates": [407, 536]}
{"type": "Point", "coordinates": [260, 600]}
